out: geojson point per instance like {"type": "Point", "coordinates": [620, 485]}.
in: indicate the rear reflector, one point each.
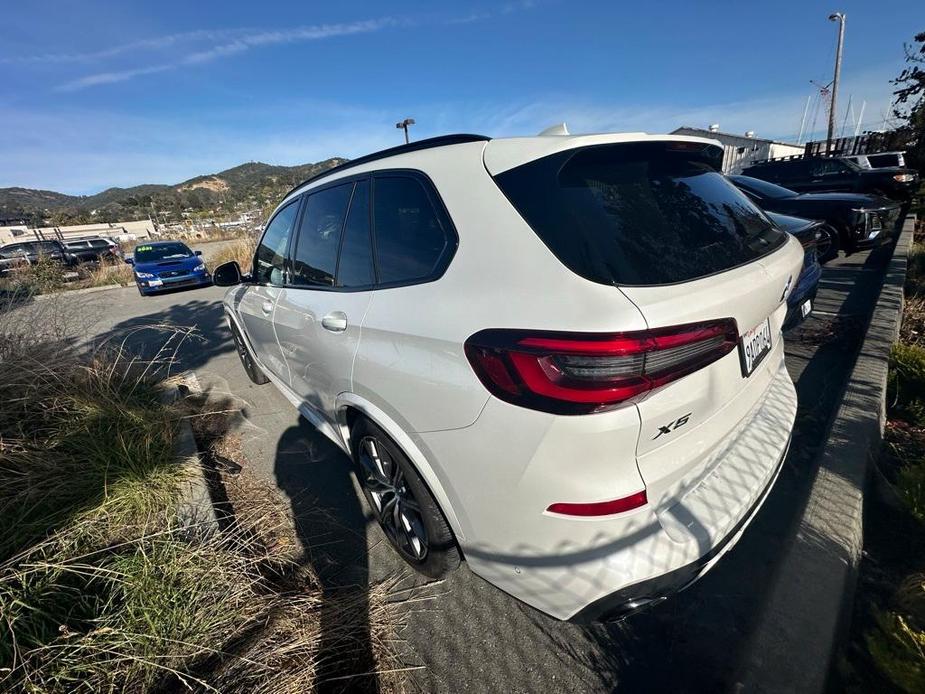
{"type": "Point", "coordinates": [601, 508]}
{"type": "Point", "coordinates": [580, 373]}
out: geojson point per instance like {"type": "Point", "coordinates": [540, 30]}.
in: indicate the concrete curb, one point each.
{"type": "Point", "coordinates": [195, 508]}
{"type": "Point", "coordinates": [72, 292]}
{"type": "Point", "coordinates": [808, 613]}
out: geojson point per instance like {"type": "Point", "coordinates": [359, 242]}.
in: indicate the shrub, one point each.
{"type": "Point", "coordinates": [242, 250]}
{"type": "Point", "coordinates": [906, 385]}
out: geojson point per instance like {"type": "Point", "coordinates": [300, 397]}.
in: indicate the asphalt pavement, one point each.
{"type": "Point", "coordinates": [464, 634]}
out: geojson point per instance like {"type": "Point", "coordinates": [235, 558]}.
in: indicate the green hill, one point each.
{"type": "Point", "coordinates": [253, 184]}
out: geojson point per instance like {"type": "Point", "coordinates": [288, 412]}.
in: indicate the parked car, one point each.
{"type": "Point", "coordinates": [93, 249]}
{"type": "Point", "coordinates": [879, 160]}
{"type": "Point", "coordinates": [852, 221]}
{"type": "Point", "coordinates": [164, 265]}
{"type": "Point", "coordinates": [801, 299]}
{"type": "Point", "coordinates": [819, 174]}
{"type": "Point", "coordinates": [14, 254]}
{"type": "Point", "coordinates": [529, 349]}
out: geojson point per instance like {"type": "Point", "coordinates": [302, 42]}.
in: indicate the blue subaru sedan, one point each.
{"type": "Point", "coordinates": [165, 265]}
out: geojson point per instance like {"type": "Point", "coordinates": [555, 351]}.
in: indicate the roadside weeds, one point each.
{"type": "Point", "coordinates": [102, 587]}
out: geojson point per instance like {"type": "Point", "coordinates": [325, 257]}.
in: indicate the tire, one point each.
{"type": "Point", "coordinates": [403, 505]}
{"type": "Point", "coordinates": [141, 293]}
{"type": "Point", "coordinates": [828, 248]}
{"type": "Point", "coordinates": [247, 360]}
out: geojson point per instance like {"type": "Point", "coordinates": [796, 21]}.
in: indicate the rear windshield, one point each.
{"type": "Point", "coordinates": [763, 188]}
{"type": "Point", "coordinates": [165, 251]}
{"type": "Point", "coordinates": [640, 213]}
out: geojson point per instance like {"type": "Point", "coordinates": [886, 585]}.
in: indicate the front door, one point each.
{"type": "Point", "coordinates": [319, 315]}
{"type": "Point", "coordinates": [260, 296]}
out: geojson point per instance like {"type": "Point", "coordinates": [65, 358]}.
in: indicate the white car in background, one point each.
{"type": "Point", "coordinates": [558, 357]}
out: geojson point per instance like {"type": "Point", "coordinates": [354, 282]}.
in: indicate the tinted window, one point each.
{"type": "Point", "coordinates": [640, 213]}
{"type": "Point", "coordinates": [355, 268]}
{"type": "Point", "coordinates": [880, 160]}
{"type": "Point", "coordinates": [271, 253]}
{"type": "Point", "coordinates": [763, 188]}
{"type": "Point", "coordinates": [826, 167]}
{"type": "Point", "coordinates": [319, 236]}
{"type": "Point", "coordinates": [99, 243]}
{"type": "Point", "coordinates": [151, 253]}
{"type": "Point", "coordinates": [410, 239]}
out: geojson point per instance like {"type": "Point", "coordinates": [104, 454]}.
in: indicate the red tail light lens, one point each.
{"type": "Point", "coordinates": [580, 373]}
{"type": "Point", "coordinates": [601, 508]}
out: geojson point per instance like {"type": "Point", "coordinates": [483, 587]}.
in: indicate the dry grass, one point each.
{"type": "Point", "coordinates": [109, 272]}
{"type": "Point", "coordinates": [242, 250]}
{"type": "Point", "coordinates": [102, 587]}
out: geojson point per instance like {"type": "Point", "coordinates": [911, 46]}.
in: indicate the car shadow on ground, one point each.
{"type": "Point", "coordinates": [183, 335]}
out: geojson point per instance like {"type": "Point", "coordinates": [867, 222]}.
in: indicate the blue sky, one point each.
{"type": "Point", "coordinates": [98, 93]}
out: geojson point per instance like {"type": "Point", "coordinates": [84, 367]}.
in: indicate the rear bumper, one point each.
{"type": "Point", "coordinates": [501, 472]}
{"type": "Point", "coordinates": [640, 596]}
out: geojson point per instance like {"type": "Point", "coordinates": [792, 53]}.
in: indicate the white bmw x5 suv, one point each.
{"type": "Point", "coordinates": [559, 357]}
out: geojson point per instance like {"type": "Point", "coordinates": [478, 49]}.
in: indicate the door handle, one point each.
{"type": "Point", "coordinates": [267, 307]}
{"type": "Point", "coordinates": [336, 322]}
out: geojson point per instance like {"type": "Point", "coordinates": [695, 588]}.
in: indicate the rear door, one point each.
{"type": "Point", "coordinates": [319, 314]}
{"type": "Point", "coordinates": [268, 276]}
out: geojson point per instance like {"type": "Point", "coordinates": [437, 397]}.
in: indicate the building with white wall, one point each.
{"type": "Point", "coordinates": [120, 231]}
{"type": "Point", "coordinates": [740, 151]}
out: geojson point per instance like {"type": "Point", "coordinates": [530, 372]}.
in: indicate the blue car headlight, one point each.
{"type": "Point", "coordinates": [199, 268]}
{"type": "Point", "coordinates": [144, 275]}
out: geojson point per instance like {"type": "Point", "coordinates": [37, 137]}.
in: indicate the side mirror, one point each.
{"type": "Point", "coordinates": [227, 274]}
{"type": "Point", "coordinates": [129, 260]}
{"type": "Point", "coordinates": [198, 252]}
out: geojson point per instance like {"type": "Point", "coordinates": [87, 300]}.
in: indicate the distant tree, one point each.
{"type": "Point", "coordinates": [909, 105]}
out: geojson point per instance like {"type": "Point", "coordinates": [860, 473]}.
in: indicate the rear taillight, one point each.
{"type": "Point", "coordinates": [580, 373]}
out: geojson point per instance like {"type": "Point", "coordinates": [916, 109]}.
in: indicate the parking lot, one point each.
{"type": "Point", "coordinates": [462, 632]}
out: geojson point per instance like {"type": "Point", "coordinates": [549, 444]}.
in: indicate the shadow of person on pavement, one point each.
{"type": "Point", "coordinates": [331, 524]}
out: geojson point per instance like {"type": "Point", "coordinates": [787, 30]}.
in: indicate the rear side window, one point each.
{"type": "Point", "coordinates": [639, 213]}
{"type": "Point", "coordinates": [412, 238]}
{"type": "Point", "coordinates": [880, 160]}
{"type": "Point", "coordinates": [99, 243]}
{"type": "Point", "coordinates": [355, 268]}
{"type": "Point", "coordinates": [315, 256]}
{"type": "Point", "coordinates": [271, 253]}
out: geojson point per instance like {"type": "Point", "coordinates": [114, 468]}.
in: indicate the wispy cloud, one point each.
{"type": "Point", "coordinates": [153, 43]}
{"type": "Point", "coordinates": [239, 44]}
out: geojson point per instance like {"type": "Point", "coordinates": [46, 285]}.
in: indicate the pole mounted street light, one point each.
{"type": "Point", "coordinates": [840, 18]}
{"type": "Point", "coordinates": [403, 125]}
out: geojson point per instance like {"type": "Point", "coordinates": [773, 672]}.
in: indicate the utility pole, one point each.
{"type": "Point", "coordinates": [403, 125]}
{"type": "Point", "coordinates": [840, 18]}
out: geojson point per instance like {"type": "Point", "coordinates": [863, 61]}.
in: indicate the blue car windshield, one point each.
{"type": "Point", "coordinates": [164, 251]}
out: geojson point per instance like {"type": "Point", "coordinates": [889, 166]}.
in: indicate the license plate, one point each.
{"type": "Point", "coordinates": [754, 346]}
{"type": "Point", "coordinates": [806, 307]}
{"type": "Point", "coordinates": [155, 283]}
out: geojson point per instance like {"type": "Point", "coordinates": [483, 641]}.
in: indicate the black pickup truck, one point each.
{"type": "Point", "coordinates": [836, 174]}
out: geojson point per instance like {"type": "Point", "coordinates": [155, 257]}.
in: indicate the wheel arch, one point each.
{"type": "Point", "coordinates": [349, 406]}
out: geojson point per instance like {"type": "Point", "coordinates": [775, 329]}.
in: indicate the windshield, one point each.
{"type": "Point", "coordinates": [639, 213]}
{"type": "Point", "coordinates": [763, 188]}
{"type": "Point", "coordinates": [164, 251]}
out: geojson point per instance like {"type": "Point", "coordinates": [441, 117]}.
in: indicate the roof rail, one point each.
{"type": "Point", "coordinates": [429, 143]}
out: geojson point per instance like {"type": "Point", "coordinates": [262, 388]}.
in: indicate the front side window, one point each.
{"type": "Point", "coordinates": [639, 213]}
{"type": "Point", "coordinates": [411, 239]}
{"type": "Point", "coordinates": [828, 167]}
{"type": "Point", "coordinates": [270, 259]}
{"type": "Point", "coordinates": [315, 258]}
{"type": "Point", "coordinates": [355, 268]}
